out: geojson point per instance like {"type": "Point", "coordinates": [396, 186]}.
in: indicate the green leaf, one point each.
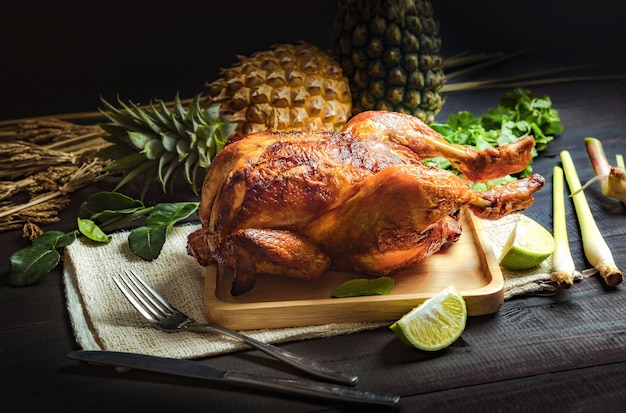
{"type": "Point", "coordinates": [29, 264]}
{"type": "Point", "coordinates": [48, 239]}
{"type": "Point", "coordinates": [92, 231]}
{"type": "Point", "coordinates": [363, 287]}
{"type": "Point", "coordinates": [442, 128]}
{"type": "Point", "coordinates": [147, 241]}
{"type": "Point", "coordinates": [170, 213]}
{"type": "Point", "coordinates": [439, 162]}
{"type": "Point", "coordinates": [517, 114]}
{"type": "Point", "coordinates": [129, 214]}
{"type": "Point", "coordinates": [107, 201]}
{"type": "Point", "coordinates": [66, 239]}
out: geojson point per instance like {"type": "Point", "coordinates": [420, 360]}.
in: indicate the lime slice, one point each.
{"type": "Point", "coordinates": [436, 323]}
{"type": "Point", "coordinates": [528, 245]}
{"type": "Point", "coordinates": [364, 286]}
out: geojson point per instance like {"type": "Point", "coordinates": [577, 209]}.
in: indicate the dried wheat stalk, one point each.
{"type": "Point", "coordinates": [47, 159]}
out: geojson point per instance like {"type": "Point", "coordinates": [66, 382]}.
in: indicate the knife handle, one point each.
{"type": "Point", "coordinates": [310, 388]}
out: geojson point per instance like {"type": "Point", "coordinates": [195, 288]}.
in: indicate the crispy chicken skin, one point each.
{"type": "Point", "coordinates": [300, 203]}
{"type": "Point", "coordinates": [477, 166]}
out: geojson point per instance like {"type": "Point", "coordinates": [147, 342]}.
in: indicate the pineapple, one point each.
{"type": "Point", "coordinates": [286, 87]}
{"type": "Point", "coordinates": [289, 86]}
{"type": "Point", "coordinates": [390, 51]}
{"type": "Point", "coordinates": [154, 141]}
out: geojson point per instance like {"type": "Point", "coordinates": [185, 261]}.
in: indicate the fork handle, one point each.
{"type": "Point", "coordinates": [310, 366]}
{"type": "Point", "coordinates": [311, 389]}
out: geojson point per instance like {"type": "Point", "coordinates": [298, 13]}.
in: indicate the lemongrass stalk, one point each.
{"type": "Point", "coordinates": [619, 160]}
{"type": "Point", "coordinates": [596, 249]}
{"type": "Point", "coordinates": [612, 179]}
{"type": "Point", "coordinates": [563, 267]}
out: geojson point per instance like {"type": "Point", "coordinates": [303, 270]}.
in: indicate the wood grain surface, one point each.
{"type": "Point", "coordinates": [559, 353]}
{"type": "Point", "coordinates": [469, 265]}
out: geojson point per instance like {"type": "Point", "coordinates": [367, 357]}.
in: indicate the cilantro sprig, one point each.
{"type": "Point", "coordinates": [101, 214]}
{"type": "Point", "coordinates": [518, 113]}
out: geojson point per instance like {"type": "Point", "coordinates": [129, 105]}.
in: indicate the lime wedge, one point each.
{"type": "Point", "coordinates": [436, 323]}
{"type": "Point", "coordinates": [364, 286]}
{"type": "Point", "coordinates": [528, 245]}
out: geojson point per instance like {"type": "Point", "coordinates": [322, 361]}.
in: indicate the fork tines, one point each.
{"type": "Point", "coordinates": [143, 297]}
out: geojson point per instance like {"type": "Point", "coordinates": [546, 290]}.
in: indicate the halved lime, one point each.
{"type": "Point", "coordinates": [528, 245]}
{"type": "Point", "coordinates": [436, 323]}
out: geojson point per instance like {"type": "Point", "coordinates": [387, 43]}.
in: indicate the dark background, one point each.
{"type": "Point", "coordinates": [61, 58]}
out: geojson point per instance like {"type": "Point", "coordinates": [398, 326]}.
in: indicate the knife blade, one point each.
{"type": "Point", "coordinates": [197, 370]}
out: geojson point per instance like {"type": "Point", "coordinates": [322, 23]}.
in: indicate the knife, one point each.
{"type": "Point", "coordinates": [194, 369]}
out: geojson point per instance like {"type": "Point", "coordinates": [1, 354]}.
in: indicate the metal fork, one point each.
{"type": "Point", "coordinates": [165, 317]}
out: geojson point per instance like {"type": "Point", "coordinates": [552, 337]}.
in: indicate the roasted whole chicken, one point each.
{"type": "Point", "coordinates": [299, 203]}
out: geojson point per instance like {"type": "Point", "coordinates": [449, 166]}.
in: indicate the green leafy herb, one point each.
{"type": "Point", "coordinates": [89, 229]}
{"type": "Point", "coordinates": [28, 264]}
{"type": "Point", "coordinates": [364, 286]}
{"type": "Point", "coordinates": [147, 241]}
{"type": "Point", "coordinates": [519, 113]}
{"type": "Point", "coordinates": [100, 214]}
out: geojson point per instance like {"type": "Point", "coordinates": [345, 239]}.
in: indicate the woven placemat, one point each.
{"type": "Point", "coordinates": [102, 319]}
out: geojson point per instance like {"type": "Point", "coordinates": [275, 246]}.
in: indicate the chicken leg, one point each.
{"type": "Point", "coordinates": [477, 166]}
{"type": "Point", "coordinates": [278, 252]}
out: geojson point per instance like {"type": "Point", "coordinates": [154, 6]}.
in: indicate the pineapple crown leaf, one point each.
{"type": "Point", "coordinates": [166, 121]}
{"type": "Point", "coordinates": [137, 170]}
{"type": "Point", "coordinates": [116, 134]}
{"type": "Point", "coordinates": [212, 112]}
{"type": "Point", "coordinates": [163, 139]}
{"type": "Point", "coordinates": [128, 118]}
{"type": "Point", "coordinates": [128, 161]}
{"type": "Point", "coordinates": [167, 160]}
{"type": "Point", "coordinates": [191, 168]}
{"type": "Point", "coordinates": [114, 152]}
{"type": "Point", "coordinates": [182, 148]}
{"type": "Point", "coordinates": [143, 118]}
{"type": "Point", "coordinates": [169, 140]}
{"type": "Point", "coordinates": [153, 149]}
{"type": "Point", "coordinates": [139, 139]}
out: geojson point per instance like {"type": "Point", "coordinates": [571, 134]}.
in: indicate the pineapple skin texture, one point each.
{"type": "Point", "coordinates": [390, 51]}
{"type": "Point", "coordinates": [287, 87]}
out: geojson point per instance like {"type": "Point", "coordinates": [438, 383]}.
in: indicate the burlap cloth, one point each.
{"type": "Point", "coordinates": [102, 319]}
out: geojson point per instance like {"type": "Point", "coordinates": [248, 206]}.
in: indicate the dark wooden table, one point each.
{"type": "Point", "coordinates": [565, 352]}
{"type": "Point", "coordinates": [562, 353]}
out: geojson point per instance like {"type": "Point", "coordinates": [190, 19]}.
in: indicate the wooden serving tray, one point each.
{"type": "Point", "coordinates": [469, 264]}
